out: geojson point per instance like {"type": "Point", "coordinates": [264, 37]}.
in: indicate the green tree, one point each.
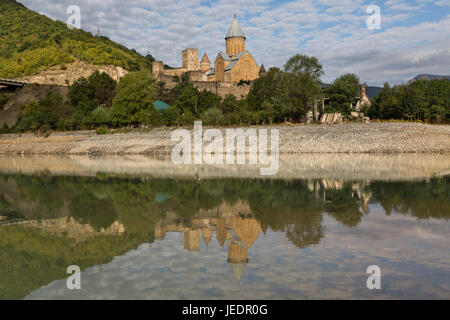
{"type": "Point", "coordinates": [81, 91]}
{"type": "Point", "coordinates": [97, 89]}
{"type": "Point", "coordinates": [343, 92]}
{"type": "Point", "coordinates": [188, 100]}
{"type": "Point", "coordinates": [101, 117]}
{"type": "Point", "coordinates": [268, 93]}
{"type": "Point", "coordinates": [104, 87]}
{"type": "Point", "coordinates": [303, 85]}
{"type": "Point", "coordinates": [304, 65]}
{"type": "Point", "coordinates": [133, 104]}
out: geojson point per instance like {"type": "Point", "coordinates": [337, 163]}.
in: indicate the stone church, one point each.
{"type": "Point", "coordinates": [229, 69]}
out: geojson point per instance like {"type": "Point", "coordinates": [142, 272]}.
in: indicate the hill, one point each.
{"type": "Point", "coordinates": [428, 77]}
{"type": "Point", "coordinates": [373, 92]}
{"type": "Point", "coordinates": [31, 43]}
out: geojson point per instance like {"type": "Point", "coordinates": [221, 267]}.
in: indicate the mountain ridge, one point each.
{"type": "Point", "coordinates": [427, 76]}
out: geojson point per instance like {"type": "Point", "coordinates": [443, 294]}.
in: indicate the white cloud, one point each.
{"type": "Point", "coordinates": [335, 31]}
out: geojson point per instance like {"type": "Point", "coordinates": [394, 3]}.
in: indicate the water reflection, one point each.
{"type": "Point", "coordinates": [48, 223]}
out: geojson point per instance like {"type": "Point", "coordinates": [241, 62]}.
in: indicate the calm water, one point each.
{"type": "Point", "coordinates": [222, 238]}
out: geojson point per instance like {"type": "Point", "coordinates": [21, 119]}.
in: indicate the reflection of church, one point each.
{"type": "Point", "coordinates": [234, 229]}
{"type": "Point", "coordinates": [237, 230]}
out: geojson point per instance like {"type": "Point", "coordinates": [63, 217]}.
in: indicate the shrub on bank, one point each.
{"type": "Point", "coordinates": [35, 117]}
{"type": "Point", "coordinates": [3, 99]}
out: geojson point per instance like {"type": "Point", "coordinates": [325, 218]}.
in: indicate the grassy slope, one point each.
{"type": "Point", "coordinates": [30, 42]}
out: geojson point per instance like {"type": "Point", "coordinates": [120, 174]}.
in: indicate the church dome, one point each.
{"type": "Point", "coordinates": [235, 31]}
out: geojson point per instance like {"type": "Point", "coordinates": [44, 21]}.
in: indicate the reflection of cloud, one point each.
{"type": "Point", "coordinates": [412, 262]}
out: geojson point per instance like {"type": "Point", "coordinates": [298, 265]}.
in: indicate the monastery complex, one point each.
{"type": "Point", "coordinates": [231, 73]}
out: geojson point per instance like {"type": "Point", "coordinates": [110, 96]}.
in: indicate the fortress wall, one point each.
{"type": "Point", "coordinates": [169, 83]}
{"type": "Point", "coordinates": [195, 76]}
{"type": "Point", "coordinates": [174, 72]}
{"type": "Point", "coordinates": [223, 89]}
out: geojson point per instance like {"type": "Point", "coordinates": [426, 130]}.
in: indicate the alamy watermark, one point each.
{"type": "Point", "coordinates": [374, 281]}
{"type": "Point", "coordinates": [229, 150]}
{"type": "Point", "coordinates": [74, 20]}
{"type": "Point", "coordinates": [374, 21]}
{"type": "Point", "coordinates": [74, 281]}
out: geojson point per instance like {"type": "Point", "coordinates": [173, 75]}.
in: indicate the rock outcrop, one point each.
{"type": "Point", "coordinates": [68, 74]}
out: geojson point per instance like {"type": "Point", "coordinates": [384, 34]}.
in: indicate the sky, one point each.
{"type": "Point", "coordinates": [413, 38]}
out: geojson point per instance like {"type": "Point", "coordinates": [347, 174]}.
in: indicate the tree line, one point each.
{"type": "Point", "coordinates": [99, 102]}
{"type": "Point", "coordinates": [423, 100]}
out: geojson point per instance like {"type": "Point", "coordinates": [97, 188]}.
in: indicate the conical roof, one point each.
{"type": "Point", "coordinates": [235, 30]}
{"type": "Point", "coordinates": [238, 270]}
{"type": "Point", "coordinates": [207, 235]}
{"type": "Point", "coordinates": [205, 59]}
{"type": "Point", "coordinates": [262, 70]}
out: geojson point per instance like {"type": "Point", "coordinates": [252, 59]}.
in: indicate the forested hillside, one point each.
{"type": "Point", "coordinates": [30, 42]}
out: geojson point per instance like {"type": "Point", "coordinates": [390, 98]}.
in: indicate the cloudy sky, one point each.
{"type": "Point", "coordinates": [414, 37]}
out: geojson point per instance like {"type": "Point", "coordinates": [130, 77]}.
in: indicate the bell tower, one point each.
{"type": "Point", "coordinates": [235, 39]}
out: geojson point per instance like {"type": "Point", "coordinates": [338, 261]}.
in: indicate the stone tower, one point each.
{"type": "Point", "coordinates": [235, 39]}
{"type": "Point", "coordinates": [190, 59]}
{"type": "Point", "coordinates": [364, 101]}
{"type": "Point", "coordinates": [205, 64]}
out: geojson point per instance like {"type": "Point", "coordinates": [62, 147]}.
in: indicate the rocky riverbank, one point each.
{"type": "Point", "coordinates": [346, 138]}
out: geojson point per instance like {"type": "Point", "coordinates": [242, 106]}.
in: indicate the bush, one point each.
{"type": "Point", "coordinates": [44, 130]}
{"type": "Point", "coordinates": [61, 125]}
{"type": "Point", "coordinates": [213, 116]}
{"type": "Point", "coordinates": [101, 131]}
{"type": "Point", "coordinates": [232, 118]}
{"type": "Point", "coordinates": [36, 116]}
{"type": "Point", "coordinates": [187, 118]}
{"type": "Point", "coordinates": [3, 99]}
{"type": "Point", "coordinates": [101, 117]}
{"type": "Point", "coordinates": [172, 116]}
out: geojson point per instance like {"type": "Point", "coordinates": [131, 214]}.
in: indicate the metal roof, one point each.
{"type": "Point", "coordinates": [235, 31]}
{"type": "Point", "coordinates": [235, 60]}
{"type": "Point", "coordinates": [225, 56]}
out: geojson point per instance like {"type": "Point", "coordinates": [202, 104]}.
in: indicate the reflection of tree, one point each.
{"type": "Point", "coordinates": [289, 207]}
{"type": "Point", "coordinates": [6, 210]}
{"type": "Point", "coordinates": [421, 199]}
{"type": "Point", "coordinates": [342, 206]}
{"type": "Point", "coordinates": [304, 235]}
{"type": "Point", "coordinates": [87, 209]}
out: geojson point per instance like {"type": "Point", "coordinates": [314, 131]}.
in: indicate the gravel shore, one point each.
{"type": "Point", "coordinates": [344, 138]}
